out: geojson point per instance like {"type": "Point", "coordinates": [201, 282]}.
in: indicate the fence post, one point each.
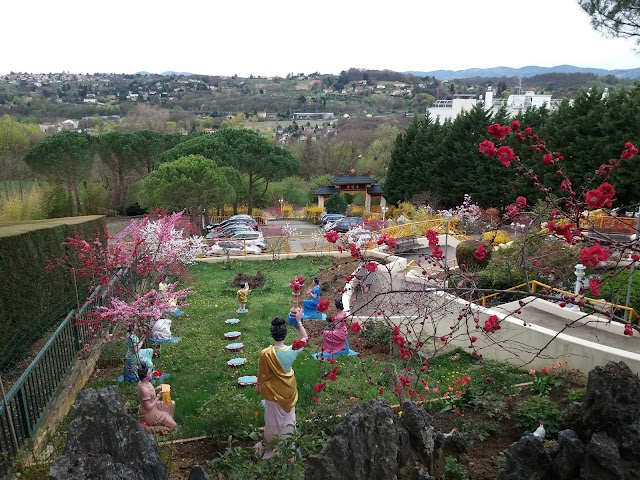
{"type": "Point", "coordinates": [7, 407]}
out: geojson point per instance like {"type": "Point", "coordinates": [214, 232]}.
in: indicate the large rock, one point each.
{"type": "Point", "coordinates": [526, 459]}
{"type": "Point", "coordinates": [601, 436]}
{"type": "Point", "coordinates": [105, 442]}
{"type": "Point", "coordinates": [569, 456]}
{"type": "Point", "coordinates": [375, 443]}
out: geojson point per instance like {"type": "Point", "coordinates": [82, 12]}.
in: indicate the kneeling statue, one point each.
{"type": "Point", "coordinates": [157, 415]}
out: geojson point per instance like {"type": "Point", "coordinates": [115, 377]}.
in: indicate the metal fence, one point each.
{"type": "Point", "coordinates": [26, 403]}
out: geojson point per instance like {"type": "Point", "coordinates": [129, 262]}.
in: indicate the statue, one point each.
{"type": "Point", "coordinates": [277, 382]}
{"type": "Point", "coordinates": [136, 355]}
{"type": "Point", "coordinates": [310, 305]}
{"type": "Point", "coordinates": [335, 341]}
{"type": "Point", "coordinates": [153, 411]}
{"type": "Point", "coordinates": [242, 295]}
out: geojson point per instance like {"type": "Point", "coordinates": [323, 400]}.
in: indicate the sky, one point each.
{"type": "Point", "coordinates": [268, 38]}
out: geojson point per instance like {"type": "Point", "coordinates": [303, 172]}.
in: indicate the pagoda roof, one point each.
{"type": "Point", "coordinates": [326, 190]}
{"type": "Point", "coordinates": [353, 179]}
{"type": "Point", "coordinates": [375, 189]}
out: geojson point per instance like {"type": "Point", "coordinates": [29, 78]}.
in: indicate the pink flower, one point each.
{"type": "Point", "coordinates": [371, 266]}
{"type": "Point", "coordinates": [323, 305]}
{"type": "Point", "coordinates": [355, 327]}
{"type": "Point", "coordinates": [521, 202]}
{"type": "Point", "coordinates": [592, 256]}
{"type": "Point", "coordinates": [488, 148]}
{"type": "Point", "coordinates": [481, 252]}
{"type": "Point", "coordinates": [594, 286]}
{"type": "Point", "coordinates": [492, 324]}
{"type": "Point", "coordinates": [332, 237]}
{"type": "Point", "coordinates": [498, 131]}
{"type": "Point", "coordinates": [505, 154]}
{"type": "Point", "coordinates": [532, 372]}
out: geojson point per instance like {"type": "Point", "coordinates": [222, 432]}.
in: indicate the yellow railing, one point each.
{"type": "Point", "coordinates": [420, 228]}
{"type": "Point", "coordinates": [412, 265]}
{"type": "Point", "coordinates": [604, 305]}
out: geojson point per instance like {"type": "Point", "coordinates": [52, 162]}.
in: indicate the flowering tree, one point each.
{"type": "Point", "coordinates": [129, 266]}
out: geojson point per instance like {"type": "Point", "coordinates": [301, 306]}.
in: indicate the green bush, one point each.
{"type": "Point", "coordinates": [536, 409]}
{"type": "Point", "coordinates": [465, 255]}
{"type": "Point", "coordinates": [336, 203]}
{"type": "Point", "coordinates": [378, 333]}
{"type": "Point", "coordinates": [453, 470]}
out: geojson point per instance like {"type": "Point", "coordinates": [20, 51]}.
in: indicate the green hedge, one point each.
{"type": "Point", "coordinates": [31, 297]}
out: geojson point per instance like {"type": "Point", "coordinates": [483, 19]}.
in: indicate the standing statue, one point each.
{"type": "Point", "coordinates": [277, 382]}
{"type": "Point", "coordinates": [242, 295]}
{"type": "Point", "coordinates": [157, 415]}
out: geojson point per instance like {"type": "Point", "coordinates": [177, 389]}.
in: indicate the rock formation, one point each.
{"type": "Point", "coordinates": [600, 439]}
{"type": "Point", "coordinates": [105, 442]}
{"type": "Point", "coordinates": [375, 443]}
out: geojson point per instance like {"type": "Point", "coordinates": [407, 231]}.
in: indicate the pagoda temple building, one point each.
{"type": "Point", "coordinates": [353, 184]}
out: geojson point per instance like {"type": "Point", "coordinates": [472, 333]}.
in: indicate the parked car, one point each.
{"type": "Point", "coordinates": [346, 224]}
{"type": "Point", "coordinates": [229, 230]}
{"type": "Point", "coordinates": [237, 219]}
{"type": "Point", "coordinates": [330, 218]}
{"type": "Point", "coordinates": [251, 238]}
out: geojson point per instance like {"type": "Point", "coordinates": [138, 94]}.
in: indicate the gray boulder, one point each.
{"type": "Point", "coordinates": [105, 442]}
{"type": "Point", "coordinates": [382, 446]}
{"type": "Point", "coordinates": [602, 459]}
{"type": "Point", "coordinates": [526, 459]}
{"type": "Point", "coordinates": [570, 455]}
{"type": "Point", "coordinates": [198, 473]}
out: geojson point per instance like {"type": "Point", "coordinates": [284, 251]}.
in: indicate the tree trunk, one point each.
{"type": "Point", "coordinates": [70, 200]}
{"type": "Point", "coordinates": [77, 199]}
{"type": "Point", "coordinates": [250, 207]}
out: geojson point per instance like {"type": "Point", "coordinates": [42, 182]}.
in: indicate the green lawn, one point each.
{"type": "Point", "coordinates": [208, 399]}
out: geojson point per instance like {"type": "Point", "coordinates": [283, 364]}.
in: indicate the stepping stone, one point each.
{"type": "Point", "coordinates": [235, 347]}
{"type": "Point", "coordinates": [232, 320]}
{"type": "Point", "coordinates": [248, 380]}
{"type": "Point", "coordinates": [236, 362]}
{"type": "Point", "coordinates": [232, 335]}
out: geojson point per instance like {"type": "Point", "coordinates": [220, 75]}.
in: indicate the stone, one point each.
{"type": "Point", "coordinates": [382, 445]}
{"type": "Point", "coordinates": [570, 455]}
{"type": "Point", "coordinates": [198, 473]}
{"type": "Point", "coordinates": [602, 459]}
{"type": "Point", "coordinates": [526, 459]}
{"type": "Point", "coordinates": [105, 442]}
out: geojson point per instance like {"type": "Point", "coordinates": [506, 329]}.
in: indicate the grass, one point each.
{"type": "Point", "coordinates": [210, 402]}
{"type": "Point", "coordinates": [208, 399]}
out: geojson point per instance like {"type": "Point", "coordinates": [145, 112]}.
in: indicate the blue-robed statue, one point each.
{"type": "Point", "coordinates": [310, 305]}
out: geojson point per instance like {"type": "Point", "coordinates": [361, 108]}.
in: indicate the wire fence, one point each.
{"type": "Point", "coordinates": [24, 406]}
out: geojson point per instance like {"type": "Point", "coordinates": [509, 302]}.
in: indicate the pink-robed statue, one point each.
{"type": "Point", "coordinates": [335, 341]}
{"type": "Point", "coordinates": [157, 416]}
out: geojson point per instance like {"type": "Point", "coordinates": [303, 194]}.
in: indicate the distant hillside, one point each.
{"type": "Point", "coordinates": [166, 74]}
{"type": "Point", "coordinates": [529, 71]}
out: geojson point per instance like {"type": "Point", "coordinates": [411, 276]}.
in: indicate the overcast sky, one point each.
{"type": "Point", "coordinates": [259, 37]}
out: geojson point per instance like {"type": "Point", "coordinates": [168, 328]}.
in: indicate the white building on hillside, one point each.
{"type": "Point", "coordinates": [449, 109]}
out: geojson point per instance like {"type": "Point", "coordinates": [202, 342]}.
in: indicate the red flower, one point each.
{"type": "Point", "coordinates": [473, 339]}
{"type": "Point", "coordinates": [515, 125]}
{"type": "Point", "coordinates": [395, 331]}
{"type": "Point", "coordinates": [332, 376]}
{"type": "Point", "coordinates": [405, 381]}
{"type": "Point", "coordinates": [371, 266]}
{"type": "Point", "coordinates": [315, 399]}
{"type": "Point", "coordinates": [298, 344]}
{"type": "Point", "coordinates": [255, 414]}
{"type": "Point", "coordinates": [157, 373]}
{"type": "Point", "coordinates": [300, 280]}
{"type": "Point", "coordinates": [405, 353]}
{"type": "Point", "coordinates": [332, 237]}
{"type": "Point", "coordinates": [318, 387]}
{"type": "Point", "coordinates": [547, 159]}
{"type": "Point", "coordinates": [488, 148]}
{"type": "Point", "coordinates": [466, 379]}
{"type": "Point", "coordinates": [594, 199]}
{"type": "Point", "coordinates": [381, 390]}
{"type": "Point", "coordinates": [481, 252]}
{"type": "Point", "coordinates": [391, 242]}
{"type": "Point", "coordinates": [521, 202]}
{"type": "Point", "coordinates": [628, 331]}
{"type": "Point", "coordinates": [498, 131]}
{"type": "Point", "coordinates": [630, 151]}
{"type": "Point", "coordinates": [505, 155]}
{"type": "Point", "coordinates": [398, 340]}
{"type": "Point", "coordinates": [295, 286]}
{"type": "Point", "coordinates": [323, 305]}
{"type": "Point", "coordinates": [492, 324]}
{"type": "Point", "coordinates": [592, 256]}
{"type": "Point", "coordinates": [594, 286]}
{"type": "Point", "coordinates": [355, 327]}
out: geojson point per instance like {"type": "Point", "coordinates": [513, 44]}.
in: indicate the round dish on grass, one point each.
{"type": "Point", "coordinates": [234, 347]}
{"type": "Point", "coordinates": [248, 380]}
{"type": "Point", "coordinates": [236, 362]}
{"type": "Point", "coordinates": [232, 321]}
{"type": "Point", "coordinates": [232, 335]}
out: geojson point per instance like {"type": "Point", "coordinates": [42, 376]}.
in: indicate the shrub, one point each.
{"type": "Point", "coordinates": [336, 203]}
{"type": "Point", "coordinates": [355, 211]}
{"type": "Point", "coordinates": [536, 409]}
{"type": "Point", "coordinates": [378, 333]}
{"type": "Point", "coordinates": [312, 212]}
{"type": "Point", "coordinates": [497, 237]}
{"type": "Point", "coordinates": [286, 211]}
{"type": "Point", "coordinates": [453, 470]}
{"type": "Point", "coordinates": [465, 254]}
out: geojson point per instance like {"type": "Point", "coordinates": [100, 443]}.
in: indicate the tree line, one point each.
{"type": "Point", "coordinates": [438, 162]}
